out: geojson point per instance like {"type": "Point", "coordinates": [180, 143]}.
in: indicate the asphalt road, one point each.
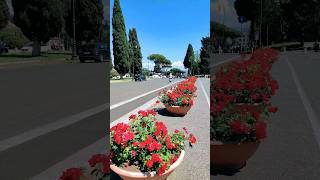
{"type": "Point", "coordinates": [37, 96]}
{"type": "Point", "coordinates": [291, 150]}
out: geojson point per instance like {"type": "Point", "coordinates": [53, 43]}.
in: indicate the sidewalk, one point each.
{"type": "Point", "coordinates": [196, 163]}
{"type": "Point", "coordinates": [290, 151]}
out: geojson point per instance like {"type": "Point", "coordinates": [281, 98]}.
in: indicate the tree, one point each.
{"type": "Point", "coordinates": [119, 41]}
{"type": "Point", "coordinates": [176, 71]}
{"type": "Point", "coordinates": [189, 59]}
{"type": "Point", "coordinates": [89, 20]}
{"type": "Point", "coordinates": [145, 71]}
{"type": "Point", "coordinates": [39, 20]}
{"type": "Point", "coordinates": [4, 13]}
{"type": "Point", "coordinates": [205, 55]}
{"type": "Point", "coordinates": [159, 61]}
{"type": "Point", "coordinates": [136, 56]}
{"type": "Point", "coordinates": [13, 36]}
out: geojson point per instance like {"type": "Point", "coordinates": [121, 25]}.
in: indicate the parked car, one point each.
{"type": "Point", "coordinates": [92, 51]}
{"type": "Point", "coordinates": [140, 77]}
{"type": "Point", "coordinates": [3, 47]}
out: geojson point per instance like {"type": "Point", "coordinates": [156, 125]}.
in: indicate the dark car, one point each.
{"type": "Point", "coordinates": [96, 52]}
{"type": "Point", "coordinates": [3, 48]}
{"type": "Point", "coordinates": [140, 77]}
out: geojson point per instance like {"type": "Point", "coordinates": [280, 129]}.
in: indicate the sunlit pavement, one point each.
{"type": "Point", "coordinates": [291, 150]}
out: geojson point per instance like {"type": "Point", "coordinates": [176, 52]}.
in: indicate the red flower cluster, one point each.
{"type": "Point", "coordinates": [122, 134]}
{"type": "Point", "coordinates": [145, 143]}
{"type": "Point", "coordinates": [101, 159]}
{"type": "Point", "coordinates": [180, 95]}
{"type": "Point", "coordinates": [72, 174]}
{"type": "Point", "coordinates": [240, 96]}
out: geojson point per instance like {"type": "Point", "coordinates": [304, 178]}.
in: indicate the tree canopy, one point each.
{"type": "Point", "coordinates": [120, 42]}
{"type": "Point", "coordinates": [4, 13]}
{"type": "Point", "coordinates": [135, 52]}
{"type": "Point", "coordinates": [39, 20]}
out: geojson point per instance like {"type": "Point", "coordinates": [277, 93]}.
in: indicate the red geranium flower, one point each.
{"type": "Point", "coordinates": [71, 174]}
{"type": "Point", "coordinates": [239, 127]}
{"type": "Point", "coordinates": [261, 130]}
{"type": "Point", "coordinates": [149, 164]}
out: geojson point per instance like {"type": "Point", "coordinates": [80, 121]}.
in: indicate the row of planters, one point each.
{"type": "Point", "coordinates": [240, 109]}
{"type": "Point", "coordinates": [143, 148]}
{"type": "Point", "coordinates": [179, 99]}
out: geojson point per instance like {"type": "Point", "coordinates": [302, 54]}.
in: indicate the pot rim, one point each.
{"type": "Point", "coordinates": [123, 172]}
{"type": "Point", "coordinates": [177, 106]}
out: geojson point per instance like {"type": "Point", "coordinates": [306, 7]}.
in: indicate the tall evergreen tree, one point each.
{"type": "Point", "coordinates": [39, 20]}
{"type": "Point", "coordinates": [136, 56]}
{"type": "Point", "coordinates": [4, 13]}
{"type": "Point", "coordinates": [205, 55]}
{"type": "Point", "coordinates": [119, 41]}
{"type": "Point", "coordinates": [189, 58]}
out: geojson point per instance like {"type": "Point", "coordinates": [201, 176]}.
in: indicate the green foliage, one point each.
{"type": "Point", "coordinates": [120, 42]}
{"type": "Point", "coordinates": [135, 52]}
{"type": "Point", "coordinates": [4, 13]}
{"type": "Point", "coordinates": [145, 71]}
{"type": "Point", "coordinates": [114, 73]}
{"type": "Point", "coordinates": [160, 61]}
{"type": "Point", "coordinates": [39, 20]}
{"type": "Point", "coordinates": [13, 36]}
{"type": "Point", "coordinates": [205, 55]}
{"type": "Point", "coordinates": [189, 58]}
{"type": "Point", "coordinates": [176, 71]}
{"type": "Point", "coordinates": [89, 19]}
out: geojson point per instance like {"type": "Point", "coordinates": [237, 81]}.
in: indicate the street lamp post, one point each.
{"type": "Point", "coordinates": [74, 48]}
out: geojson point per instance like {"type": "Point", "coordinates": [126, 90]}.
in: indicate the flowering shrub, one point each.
{"type": "Point", "coordinates": [99, 169]}
{"type": "Point", "coordinates": [240, 97]}
{"type": "Point", "coordinates": [146, 143]}
{"type": "Point", "coordinates": [180, 95]}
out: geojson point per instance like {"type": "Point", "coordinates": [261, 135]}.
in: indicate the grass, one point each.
{"type": "Point", "coordinates": [16, 57]}
{"type": "Point", "coordinates": [124, 80]}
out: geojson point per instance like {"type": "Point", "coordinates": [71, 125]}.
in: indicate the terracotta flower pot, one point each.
{"type": "Point", "coordinates": [177, 110]}
{"type": "Point", "coordinates": [130, 175]}
{"type": "Point", "coordinates": [231, 156]}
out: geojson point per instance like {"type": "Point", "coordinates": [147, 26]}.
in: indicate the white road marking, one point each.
{"type": "Point", "coordinates": [205, 92]}
{"type": "Point", "coordinates": [31, 134]}
{"type": "Point", "coordinates": [140, 96]}
{"type": "Point", "coordinates": [36, 132]}
{"type": "Point", "coordinates": [80, 158]}
{"type": "Point", "coordinates": [307, 105]}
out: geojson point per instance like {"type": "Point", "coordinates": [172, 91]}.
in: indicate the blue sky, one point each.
{"type": "Point", "coordinates": [166, 26]}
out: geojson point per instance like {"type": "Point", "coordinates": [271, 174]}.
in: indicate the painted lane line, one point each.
{"type": "Point", "coordinates": [307, 105]}
{"type": "Point", "coordinates": [204, 92]}
{"type": "Point", "coordinates": [140, 96]}
{"type": "Point", "coordinates": [34, 133]}
{"type": "Point", "coordinates": [80, 158]}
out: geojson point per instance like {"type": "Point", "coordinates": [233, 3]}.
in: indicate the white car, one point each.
{"type": "Point", "coordinates": [156, 76]}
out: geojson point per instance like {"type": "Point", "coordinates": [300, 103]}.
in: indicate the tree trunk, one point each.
{"type": "Point", "coordinates": [36, 49]}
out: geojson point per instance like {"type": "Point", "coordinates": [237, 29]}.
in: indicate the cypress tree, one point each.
{"type": "Point", "coordinates": [205, 55]}
{"type": "Point", "coordinates": [136, 59]}
{"type": "Point", "coordinates": [189, 58]}
{"type": "Point", "coordinates": [4, 13]}
{"type": "Point", "coordinates": [120, 42]}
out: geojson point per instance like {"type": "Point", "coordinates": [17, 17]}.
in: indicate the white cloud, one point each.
{"type": "Point", "coordinates": [178, 64]}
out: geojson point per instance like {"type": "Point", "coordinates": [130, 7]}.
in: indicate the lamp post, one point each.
{"type": "Point", "coordinates": [74, 47]}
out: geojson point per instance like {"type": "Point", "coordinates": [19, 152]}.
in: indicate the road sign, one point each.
{"type": "Point", "coordinates": [242, 19]}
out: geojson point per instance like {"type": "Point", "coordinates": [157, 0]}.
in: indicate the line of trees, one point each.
{"type": "Point", "coordinates": [282, 20]}
{"type": "Point", "coordinates": [40, 20]}
{"type": "Point", "coordinates": [127, 54]}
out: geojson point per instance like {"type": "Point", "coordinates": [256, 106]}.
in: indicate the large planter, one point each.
{"type": "Point", "coordinates": [231, 156]}
{"type": "Point", "coordinates": [130, 175]}
{"type": "Point", "coordinates": [177, 110]}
